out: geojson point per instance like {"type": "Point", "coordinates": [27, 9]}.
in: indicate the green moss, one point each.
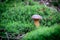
{"type": "Point", "coordinates": [44, 33]}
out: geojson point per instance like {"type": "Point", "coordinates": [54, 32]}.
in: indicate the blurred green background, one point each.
{"type": "Point", "coordinates": [15, 17]}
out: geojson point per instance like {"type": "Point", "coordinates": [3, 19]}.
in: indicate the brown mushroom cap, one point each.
{"type": "Point", "coordinates": [36, 17]}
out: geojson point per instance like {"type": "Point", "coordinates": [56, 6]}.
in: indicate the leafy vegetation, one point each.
{"type": "Point", "coordinates": [24, 13]}
{"type": "Point", "coordinates": [19, 28]}
{"type": "Point", "coordinates": [15, 17]}
{"type": "Point", "coordinates": [44, 33]}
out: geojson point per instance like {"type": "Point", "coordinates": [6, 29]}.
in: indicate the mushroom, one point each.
{"type": "Point", "coordinates": [36, 19]}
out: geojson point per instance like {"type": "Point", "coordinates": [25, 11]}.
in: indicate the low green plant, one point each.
{"type": "Point", "coordinates": [19, 28]}
{"type": "Point", "coordinates": [13, 13]}
{"type": "Point", "coordinates": [44, 33]}
{"type": "Point", "coordinates": [24, 14]}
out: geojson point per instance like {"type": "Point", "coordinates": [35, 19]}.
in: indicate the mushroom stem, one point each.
{"type": "Point", "coordinates": [36, 22]}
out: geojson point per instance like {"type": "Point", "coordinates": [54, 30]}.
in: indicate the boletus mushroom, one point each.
{"type": "Point", "coordinates": [36, 19]}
